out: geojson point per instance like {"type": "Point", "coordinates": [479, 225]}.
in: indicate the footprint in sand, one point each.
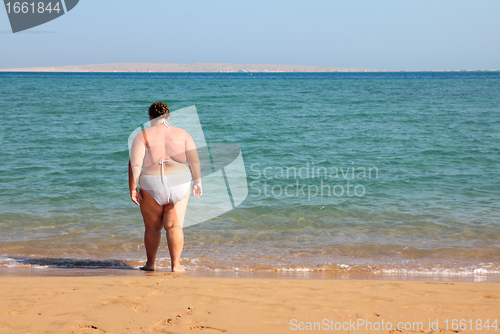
{"type": "Point", "coordinates": [142, 308]}
{"type": "Point", "coordinates": [489, 297]}
{"type": "Point", "coordinates": [94, 328]}
{"type": "Point", "coordinates": [159, 326]}
{"type": "Point", "coordinates": [205, 328]}
{"type": "Point", "coordinates": [405, 331]}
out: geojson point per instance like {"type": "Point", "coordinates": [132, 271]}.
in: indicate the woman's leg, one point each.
{"type": "Point", "coordinates": [152, 213]}
{"type": "Point", "coordinates": [173, 221]}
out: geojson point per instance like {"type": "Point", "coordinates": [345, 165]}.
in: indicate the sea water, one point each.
{"type": "Point", "coordinates": [348, 173]}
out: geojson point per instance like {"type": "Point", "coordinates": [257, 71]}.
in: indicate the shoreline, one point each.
{"type": "Point", "coordinates": [273, 275]}
{"type": "Point", "coordinates": [448, 269]}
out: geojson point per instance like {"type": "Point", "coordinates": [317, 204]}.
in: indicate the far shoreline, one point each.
{"type": "Point", "coordinates": [350, 72]}
{"type": "Point", "coordinates": [213, 68]}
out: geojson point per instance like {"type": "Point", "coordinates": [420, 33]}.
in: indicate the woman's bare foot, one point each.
{"type": "Point", "coordinates": [178, 269]}
{"type": "Point", "coordinates": [148, 268]}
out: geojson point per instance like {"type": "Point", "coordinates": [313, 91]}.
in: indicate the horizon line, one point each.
{"type": "Point", "coordinates": [209, 68]}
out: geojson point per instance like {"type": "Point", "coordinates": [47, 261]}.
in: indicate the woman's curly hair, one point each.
{"type": "Point", "coordinates": [158, 109]}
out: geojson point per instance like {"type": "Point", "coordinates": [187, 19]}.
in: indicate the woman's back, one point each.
{"type": "Point", "coordinates": [168, 144]}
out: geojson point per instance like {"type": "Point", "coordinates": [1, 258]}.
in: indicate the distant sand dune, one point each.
{"type": "Point", "coordinates": [195, 67]}
{"type": "Point", "coordinates": [199, 67]}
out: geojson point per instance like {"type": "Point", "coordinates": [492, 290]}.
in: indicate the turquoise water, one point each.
{"type": "Point", "coordinates": [427, 202]}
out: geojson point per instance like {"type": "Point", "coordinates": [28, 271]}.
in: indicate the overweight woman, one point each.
{"type": "Point", "coordinates": [158, 167]}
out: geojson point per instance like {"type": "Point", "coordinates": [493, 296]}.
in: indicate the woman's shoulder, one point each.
{"type": "Point", "coordinates": [179, 131]}
{"type": "Point", "coordinates": [182, 134]}
{"type": "Point", "coordinates": [140, 136]}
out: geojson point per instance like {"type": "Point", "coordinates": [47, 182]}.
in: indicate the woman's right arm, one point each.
{"type": "Point", "coordinates": [137, 152]}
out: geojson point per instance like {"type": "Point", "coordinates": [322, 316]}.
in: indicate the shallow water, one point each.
{"type": "Point", "coordinates": [369, 173]}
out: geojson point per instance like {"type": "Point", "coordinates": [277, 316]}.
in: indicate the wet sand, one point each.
{"type": "Point", "coordinates": [174, 303]}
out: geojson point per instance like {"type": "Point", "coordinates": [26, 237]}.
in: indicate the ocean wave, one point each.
{"type": "Point", "coordinates": [430, 271]}
{"type": "Point", "coordinates": [13, 262]}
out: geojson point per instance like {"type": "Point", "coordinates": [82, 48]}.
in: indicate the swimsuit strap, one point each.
{"type": "Point", "coordinates": [162, 167]}
{"type": "Point", "coordinates": [162, 161]}
{"type": "Point", "coordinates": [146, 139]}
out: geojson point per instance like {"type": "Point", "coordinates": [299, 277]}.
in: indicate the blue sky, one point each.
{"type": "Point", "coordinates": [395, 35]}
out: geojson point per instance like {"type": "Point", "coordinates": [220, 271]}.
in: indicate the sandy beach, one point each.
{"type": "Point", "coordinates": [173, 303]}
